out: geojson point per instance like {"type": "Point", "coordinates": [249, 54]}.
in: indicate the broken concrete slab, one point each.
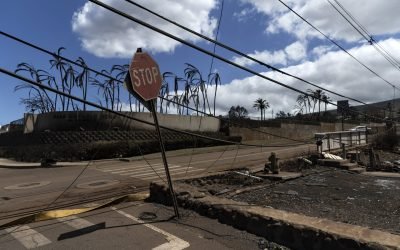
{"type": "Point", "coordinates": [281, 176]}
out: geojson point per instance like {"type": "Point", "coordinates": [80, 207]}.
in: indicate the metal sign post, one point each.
{"type": "Point", "coordinates": [164, 157]}
{"type": "Point", "coordinates": [144, 82]}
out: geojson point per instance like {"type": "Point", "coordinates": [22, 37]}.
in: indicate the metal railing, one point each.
{"type": "Point", "coordinates": [334, 140]}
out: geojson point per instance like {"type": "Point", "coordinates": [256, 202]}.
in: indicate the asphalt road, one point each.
{"type": "Point", "coordinates": [24, 190]}
{"type": "Point", "coordinates": [124, 227]}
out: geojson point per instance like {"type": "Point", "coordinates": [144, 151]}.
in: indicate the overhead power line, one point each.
{"type": "Point", "coordinates": [364, 33]}
{"type": "Point", "coordinates": [120, 13]}
{"type": "Point", "coordinates": [110, 77]}
{"type": "Point", "coordinates": [371, 39]}
{"type": "Point", "coordinates": [92, 104]}
{"type": "Point", "coordinates": [338, 45]}
{"type": "Point", "coordinates": [222, 45]}
{"type": "Point", "coordinates": [216, 34]}
{"type": "Point", "coordinates": [117, 80]}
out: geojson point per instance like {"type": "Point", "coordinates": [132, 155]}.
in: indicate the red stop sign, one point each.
{"type": "Point", "coordinates": [145, 76]}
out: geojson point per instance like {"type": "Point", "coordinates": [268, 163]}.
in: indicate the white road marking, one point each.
{"type": "Point", "coordinates": [75, 222]}
{"type": "Point", "coordinates": [106, 169]}
{"type": "Point", "coordinates": [146, 169]}
{"type": "Point", "coordinates": [148, 173]}
{"type": "Point", "coordinates": [163, 175]}
{"type": "Point", "coordinates": [28, 237]}
{"type": "Point", "coordinates": [109, 169]}
{"type": "Point", "coordinates": [192, 163]}
{"type": "Point", "coordinates": [174, 243]}
{"type": "Point", "coordinates": [152, 172]}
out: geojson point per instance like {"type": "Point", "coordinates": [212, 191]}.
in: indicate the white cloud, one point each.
{"type": "Point", "coordinates": [292, 53]}
{"type": "Point", "coordinates": [106, 34]}
{"type": "Point", "coordinates": [321, 50]}
{"type": "Point", "coordinates": [296, 51]}
{"type": "Point", "coordinates": [378, 17]}
{"type": "Point", "coordinates": [333, 70]}
{"type": "Point", "coordinates": [244, 14]}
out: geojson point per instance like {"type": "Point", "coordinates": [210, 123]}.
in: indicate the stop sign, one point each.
{"type": "Point", "coordinates": [145, 76]}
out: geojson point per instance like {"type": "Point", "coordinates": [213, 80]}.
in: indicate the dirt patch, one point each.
{"type": "Point", "coordinates": [322, 192]}
{"type": "Point", "coordinates": [227, 182]}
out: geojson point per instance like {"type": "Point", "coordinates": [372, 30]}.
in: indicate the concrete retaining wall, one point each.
{"type": "Point", "coordinates": [97, 120]}
{"type": "Point", "coordinates": [294, 131]}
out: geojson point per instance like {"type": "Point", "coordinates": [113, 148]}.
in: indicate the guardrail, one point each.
{"type": "Point", "coordinates": [334, 140]}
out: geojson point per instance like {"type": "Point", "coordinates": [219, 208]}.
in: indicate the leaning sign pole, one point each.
{"type": "Point", "coordinates": [144, 82]}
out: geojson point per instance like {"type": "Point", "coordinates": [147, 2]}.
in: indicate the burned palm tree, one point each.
{"type": "Point", "coordinates": [185, 96]}
{"type": "Point", "coordinates": [120, 72]}
{"type": "Point", "coordinates": [194, 77]}
{"type": "Point", "coordinates": [108, 88]}
{"type": "Point", "coordinates": [103, 89]}
{"type": "Point", "coordinates": [164, 91]}
{"type": "Point", "coordinates": [214, 79]}
{"type": "Point", "coordinates": [60, 66]}
{"type": "Point", "coordinates": [326, 99]}
{"type": "Point", "coordinates": [46, 77]}
{"type": "Point", "coordinates": [69, 85]}
{"type": "Point", "coordinates": [82, 79]}
{"type": "Point", "coordinates": [42, 99]}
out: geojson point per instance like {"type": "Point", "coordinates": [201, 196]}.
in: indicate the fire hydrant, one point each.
{"type": "Point", "coordinates": [274, 163]}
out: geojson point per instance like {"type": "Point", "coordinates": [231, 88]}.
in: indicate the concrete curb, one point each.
{"type": "Point", "coordinates": [28, 165]}
{"type": "Point", "coordinates": [292, 230]}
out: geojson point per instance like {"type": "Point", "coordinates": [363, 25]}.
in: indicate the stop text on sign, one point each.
{"type": "Point", "coordinates": [145, 76]}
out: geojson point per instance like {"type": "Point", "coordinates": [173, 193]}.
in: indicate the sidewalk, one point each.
{"type": "Point", "coordinates": [7, 163]}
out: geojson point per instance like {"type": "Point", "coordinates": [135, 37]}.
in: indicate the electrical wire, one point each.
{"type": "Point", "coordinates": [108, 76]}
{"type": "Point", "coordinates": [112, 78]}
{"type": "Point", "coordinates": [338, 45]}
{"type": "Point", "coordinates": [240, 53]}
{"type": "Point", "coordinates": [9, 73]}
{"type": "Point", "coordinates": [216, 34]}
{"type": "Point", "coordinates": [370, 38]}
{"type": "Point", "coordinates": [365, 34]}
{"type": "Point", "coordinates": [158, 30]}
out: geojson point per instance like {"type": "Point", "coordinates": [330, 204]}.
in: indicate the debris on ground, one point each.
{"type": "Point", "coordinates": [324, 192]}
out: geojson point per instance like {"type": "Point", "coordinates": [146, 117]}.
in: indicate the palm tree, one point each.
{"type": "Point", "coordinates": [121, 71]}
{"type": "Point", "coordinates": [45, 76]}
{"type": "Point", "coordinates": [60, 65]}
{"type": "Point", "coordinates": [326, 99]}
{"type": "Point", "coordinates": [69, 84]}
{"type": "Point", "coordinates": [41, 97]}
{"type": "Point", "coordinates": [164, 90]}
{"type": "Point", "coordinates": [195, 79]}
{"type": "Point", "coordinates": [216, 79]}
{"type": "Point", "coordinates": [103, 88]}
{"type": "Point", "coordinates": [312, 98]}
{"type": "Point", "coordinates": [175, 98]}
{"type": "Point", "coordinates": [262, 105]}
{"type": "Point", "coordinates": [82, 79]}
{"type": "Point", "coordinates": [301, 104]}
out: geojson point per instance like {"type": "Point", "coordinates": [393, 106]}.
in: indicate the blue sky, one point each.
{"type": "Point", "coordinates": [263, 29]}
